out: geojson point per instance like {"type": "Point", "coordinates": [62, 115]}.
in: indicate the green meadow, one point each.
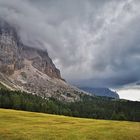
{"type": "Point", "coordinates": [20, 125]}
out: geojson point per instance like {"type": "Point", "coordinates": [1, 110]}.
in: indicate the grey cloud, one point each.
{"type": "Point", "coordinates": [94, 42]}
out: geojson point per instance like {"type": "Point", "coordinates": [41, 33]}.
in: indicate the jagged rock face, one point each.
{"type": "Point", "coordinates": [8, 47]}
{"type": "Point", "coordinates": [30, 69]}
{"type": "Point", "coordinates": [41, 61]}
{"type": "Point", "coordinates": [13, 53]}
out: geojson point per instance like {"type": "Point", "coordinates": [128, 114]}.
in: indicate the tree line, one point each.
{"type": "Point", "coordinates": [88, 107]}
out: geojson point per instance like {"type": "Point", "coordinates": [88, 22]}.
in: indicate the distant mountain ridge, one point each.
{"type": "Point", "coordinates": [105, 92]}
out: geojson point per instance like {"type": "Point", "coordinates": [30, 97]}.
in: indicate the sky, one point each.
{"type": "Point", "coordinates": [94, 43]}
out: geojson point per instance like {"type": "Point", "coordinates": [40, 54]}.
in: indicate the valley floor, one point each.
{"type": "Point", "coordinates": [20, 125]}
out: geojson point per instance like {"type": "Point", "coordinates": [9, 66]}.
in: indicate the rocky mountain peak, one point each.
{"type": "Point", "coordinates": [13, 53]}
{"type": "Point", "coordinates": [29, 69]}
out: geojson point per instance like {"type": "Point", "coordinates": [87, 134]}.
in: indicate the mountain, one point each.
{"type": "Point", "coordinates": [106, 92]}
{"type": "Point", "coordinates": [138, 83]}
{"type": "Point", "coordinates": [29, 69]}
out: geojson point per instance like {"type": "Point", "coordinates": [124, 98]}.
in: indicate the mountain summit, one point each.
{"type": "Point", "coordinates": [28, 69]}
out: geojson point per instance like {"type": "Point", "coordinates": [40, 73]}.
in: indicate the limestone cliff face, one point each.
{"type": "Point", "coordinates": [29, 69]}
{"type": "Point", "coordinates": [13, 53]}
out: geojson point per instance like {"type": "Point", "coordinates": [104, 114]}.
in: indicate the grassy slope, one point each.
{"type": "Point", "coordinates": [19, 125]}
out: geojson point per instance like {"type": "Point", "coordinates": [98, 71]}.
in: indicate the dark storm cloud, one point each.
{"type": "Point", "coordinates": [92, 41]}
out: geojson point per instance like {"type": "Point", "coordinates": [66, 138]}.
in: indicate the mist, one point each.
{"type": "Point", "coordinates": [92, 42]}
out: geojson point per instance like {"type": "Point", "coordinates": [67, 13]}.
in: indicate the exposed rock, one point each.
{"type": "Point", "coordinates": [29, 69]}
{"type": "Point", "coordinates": [13, 53]}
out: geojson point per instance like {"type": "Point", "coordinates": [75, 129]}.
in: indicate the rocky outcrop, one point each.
{"type": "Point", "coordinates": [13, 53]}
{"type": "Point", "coordinates": [29, 69]}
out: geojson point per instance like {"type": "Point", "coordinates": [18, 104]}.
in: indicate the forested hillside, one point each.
{"type": "Point", "coordinates": [88, 107]}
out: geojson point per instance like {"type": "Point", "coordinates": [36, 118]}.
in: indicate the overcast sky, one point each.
{"type": "Point", "coordinates": [92, 42]}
